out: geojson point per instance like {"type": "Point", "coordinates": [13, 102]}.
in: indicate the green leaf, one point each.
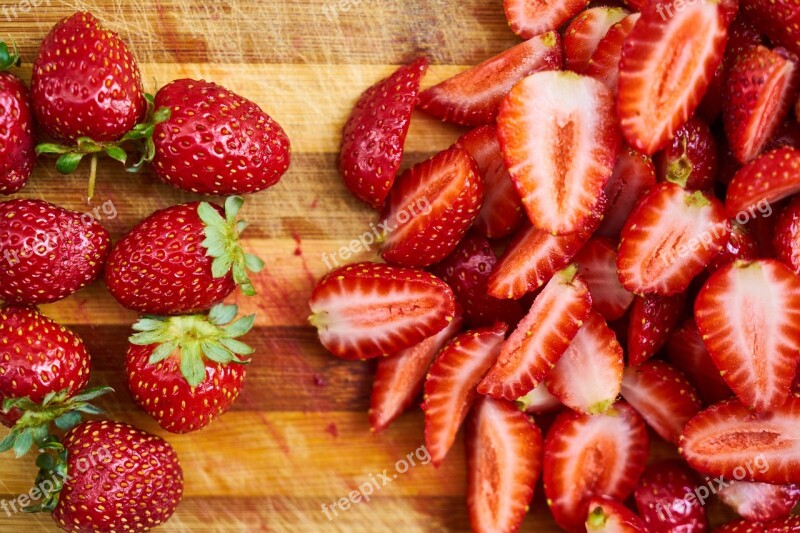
{"type": "Point", "coordinates": [210, 216]}
{"type": "Point", "coordinates": [88, 146]}
{"type": "Point", "coordinates": [45, 461]}
{"type": "Point", "coordinates": [149, 324]}
{"type": "Point", "coordinates": [117, 153]}
{"type": "Point", "coordinates": [90, 409]}
{"type": "Point", "coordinates": [162, 352]}
{"type": "Point", "coordinates": [147, 337]}
{"type": "Point", "coordinates": [241, 226]}
{"type": "Point", "coordinates": [67, 163]}
{"type": "Point", "coordinates": [150, 98]}
{"type": "Point", "coordinates": [221, 266]}
{"type": "Point", "coordinates": [237, 347]}
{"type": "Point", "coordinates": [216, 353]}
{"type": "Point", "coordinates": [192, 366]}
{"type": "Point", "coordinates": [232, 206]}
{"type": "Point", "coordinates": [241, 326]}
{"type": "Point", "coordinates": [150, 149]}
{"type": "Point", "coordinates": [68, 421]}
{"type": "Point", "coordinates": [49, 398]}
{"type": "Point", "coordinates": [40, 433]}
{"type": "Point", "coordinates": [253, 263]}
{"type": "Point", "coordinates": [23, 443]}
{"type": "Point", "coordinates": [91, 394]}
{"type": "Point", "coordinates": [162, 114]}
{"type": "Point", "coordinates": [8, 442]}
{"type": "Point", "coordinates": [50, 148]}
{"type": "Point", "coordinates": [222, 314]}
{"type": "Point", "coordinates": [215, 243]}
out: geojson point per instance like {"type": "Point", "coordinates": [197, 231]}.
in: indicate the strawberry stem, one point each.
{"type": "Point", "coordinates": [9, 58]}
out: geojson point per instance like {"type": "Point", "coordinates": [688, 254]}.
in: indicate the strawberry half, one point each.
{"type": "Point", "coordinates": [473, 97]}
{"type": "Point", "coordinates": [451, 384]}
{"type": "Point", "coordinates": [652, 320]}
{"type": "Point", "coordinates": [786, 238]}
{"type": "Point", "coordinates": [662, 499]}
{"type": "Point", "coordinates": [779, 19]}
{"type": "Point", "coordinates": [790, 524]}
{"type": "Point", "coordinates": [431, 207]}
{"type": "Point", "coordinates": [609, 516]}
{"type": "Point", "coordinates": [760, 502]}
{"type": "Point", "coordinates": [741, 245]}
{"type": "Point", "coordinates": [765, 180]}
{"type": "Point", "coordinates": [504, 461]}
{"type": "Point", "coordinates": [597, 265]}
{"type": "Point", "coordinates": [670, 238]}
{"type": "Point", "coordinates": [689, 354]}
{"type": "Point", "coordinates": [690, 159]}
{"type": "Point", "coordinates": [585, 32]}
{"type": "Point", "coordinates": [528, 18]}
{"type": "Point", "coordinates": [541, 338]}
{"type": "Point", "coordinates": [368, 309]}
{"type": "Point", "coordinates": [749, 316]}
{"type": "Point", "coordinates": [604, 63]}
{"type": "Point", "coordinates": [634, 174]}
{"type": "Point", "coordinates": [374, 135]}
{"type": "Point", "coordinates": [587, 456]}
{"type": "Point", "coordinates": [668, 62]}
{"type": "Point", "coordinates": [539, 401]}
{"type": "Point", "coordinates": [559, 136]}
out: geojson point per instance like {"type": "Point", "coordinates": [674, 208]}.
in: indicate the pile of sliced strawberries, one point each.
{"type": "Point", "coordinates": [611, 257]}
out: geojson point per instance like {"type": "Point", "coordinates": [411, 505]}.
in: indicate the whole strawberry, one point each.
{"type": "Point", "coordinates": [181, 260]}
{"type": "Point", "coordinates": [47, 252]}
{"type": "Point", "coordinates": [17, 143]}
{"type": "Point", "coordinates": [216, 142]}
{"type": "Point", "coordinates": [196, 358]}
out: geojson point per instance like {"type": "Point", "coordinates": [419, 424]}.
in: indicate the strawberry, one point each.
{"type": "Point", "coordinates": [585, 32]}
{"type": "Point", "coordinates": [634, 174]}
{"type": "Point", "coordinates": [749, 316]}
{"type": "Point", "coordinates": [786, 239]}
{"type": "Point", "coordinates": [215, 141]}
{"type": "Point", "coordinates": [609, 516]}
{"type": "Point", "coordinates": [597, 265]}
{"type": "Point", "coordinates": [16, 126]}
{"type": "Point", "coordinates": [189, 255]}
{"type": "Point", "coordinates": [559, 138]}
{"type": "Point", "coordinates": [588, 377]}
{"type": "Point", "coordinates": [541, 338]}
{"type": "Point", "coordinates": [528, 18]}
{"type": "Point", "coordinates": [787, 134]}
{"type": "Point", "coordinates": [473, 97]}
{"type": "Point", "coordinates": [690, 158]}
{"type": "Point", "coordinates": [373, 138]}
{"type": "Point", "coordinates": [666, 499]}
{"type": "Point", "coordinates": [670, 238]}
{"type": "Point", "coordinates": [504, 461]}
{"type": "Point", "coordinates": [502, 211]}
{"type": "Point", "coordinates": [759, 502]}
{"type": "Point", "coordinates": [765, 180]}
{"type": "Point", "coordinates": [652, 320]}
{"type": "Point", "coordinates": [48, 252]}
{"type": "Point", "coordinates": [662, 396]}
{"type": "Point", "coordinates": [587, 456]}
{"type": "Point", "coordinates": [776, 18]}
{"type": "Point", "coordinates": [539, 401]}
{"type": "Point", "coordinates": [759, 88]}
{"type": "Point", "coordinates": [431, 207]}
{"type": "Point", "coordinates": [790, 524]}
{"type": "Point", "coordinates": [668, 62]}
{"type": "Point", "coordinates": [742, 36]}
{"type": "Point", "coordinates": [467, 271]}
{"type": "Point", "coordinates": [451, 383]}
{"type": "Point", "coordinates": [689, 355]}
{"type": "Point", "coordinates": [741, 245]}
{"type": "Point", "coordinates": [399, 377]}
{"type": "Point", "coordinates": [365, 310]}
{"type": "Point", "coordinates": [604, 63]}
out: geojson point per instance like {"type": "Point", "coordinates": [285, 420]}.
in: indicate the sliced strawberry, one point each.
{"type": "Point", "coordinates": [541, 338]}
{"type": "Point", "coordinates": [504, 461]}
{"type": "Point", "coordinates": [742, 36]}
{"type": "Point", "coordinates": [584, 33]}
{"type": "Point", "coordinates": [588, 377]}
{"type": "Point", "coordinates": [597, 265]}
{"type": "Point", "coordinates": [368, 309]}
{"type": "Point", "coordinates": [373, 138]}
{"type": "Point", "coordinates": [760, 501]}
{"type": "Point", "coordinates": [668, 62]}
{"type": "Point", "coordinates": [749, 316]}
{"type": "Point", "coordinates": [634, 174]}
{"type": "Point", "coordinates": [689, 355]}
{"type": "Point", "coordinates": [467, 271]}
{"type": "Point", "coordinates": [431, 207]}
{"type": "Point", "coordinates": [790, 524]}
{"type": "Point", "coordinates": [652, 320]}
{"type": "Point", "coordinates": [786, 239]}
{"type": "Point", "coordinates": [399, 377]}
{"type": "Point", "coordinates": [560, 140]}
{"type": "Point", "coordinates": [662, 395]}
{"type": "Point", "coordinates": [765, 180]}
{"type": "Point", "coordinates": [451, 383]}
{"type": "Point", "coordinates": [787, 134]}
{"type": "Point", "coordinates": [690, 159]}
{"type": "Point", "coordinates": [528, 18]}
{"type": "Point", "coordinates": [609, 516]}
{"type": "Point", "coordinates": [473, 97]}
{"type": "Point", "coordinates": [741, 245]}
{"type": "Point", "coordinates": [670, 238]}
{"type": "Point", "coordinates": [664, 502]}
{"type": "Point", "coordinates": [502, 211]}
{"type": "Point", "coordinates": [779, 19]}
{"type": "Point", "coordinates": [586, 456]}
{"type": "Point", "coordinates": [604, 64]}
{"type": "Point", "coordinates": [539, 401]}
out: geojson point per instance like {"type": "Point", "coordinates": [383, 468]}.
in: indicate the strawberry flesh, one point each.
{"type": "Point", "coordinates": [528, 18]}
{"type": "Point", "coordinates": [765, 180]}
{"type": "Point", "coordinates": [634, 174]}
{"type": "Point", "coordinates": [689, 354]}
{"type": "Point", "coordinates": [604, 63]}
{"type": "Point", "coordinates": [760, 502]}
{"type": "Point", "coordinates": [585, 32]}
{"type": "Point", "coordinates": [597, 265]}
{"type": "Point", "coordinates": [609, 516]}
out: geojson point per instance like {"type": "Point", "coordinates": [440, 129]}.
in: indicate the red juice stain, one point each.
{"type": "Point", "coordinates": [332, 430]}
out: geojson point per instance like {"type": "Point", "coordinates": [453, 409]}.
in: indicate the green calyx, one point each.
{"type": "Point", "coordinates": [52, 463]}
{"type": "Point", "coordinates": [33, 427]}
{"type": "Point", "coordinates": [680, 169]}
{"type": "Point", "coordinates": [195, 338]}
{"type": "Point", "coordinates": [9, 58]}
{"type": "Point", "coordinates": [568, 274]}
{"type": "Point", "coordinates": [222, 243]}
{"type": "Point", "coordinates": [597, 518]}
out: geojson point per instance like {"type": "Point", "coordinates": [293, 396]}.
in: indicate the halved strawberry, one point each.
{"type": "Point", "coordinates": [664, 502]}
{"type": "Point", "coordinates": [668, 62]}
{"type": "Point", "coordinates": [559, 135]}
{"type": "Point", "coordinates": [586, 456]}
{"type": "Point", "coordinates": [604, 64]}
{"type": "Point", "coordinates": [597, 265]}
{"type": "Point", "coordinates": [528, 18]}
{"type": "Point", "coordinates": [765, 180]}
{"type": "Point", "coordinates": [473, 97]}
{"type": "Point", "coordinates": [741, 245]}
{"type": "Point", "coordinates": [786, 238]}
{"type": "Point", "coordinates": [365, 310]}
{"type": "Point", "coordinates": [451, 383]}
{"type": "Point", "coordinates": [790, 524]}
{"type": "Point", "coordinates": [652, 320]}
{"type": "Point", "coordinates": [779, 19]}
{"type": "Point", "coordinates": [749, 316]}
{"type": "Point", "coordinates": [373, 138]}
{"type": "Point", "coordinates": [504, 461]}
{"type": "Point", "coordinates": [760, 501]}
{"type": "Point", "coordinates": [787, 134]}
{"type": "Point", "coordinates": [502, 211]}
{"type": "Point", "coordinates": [588, 377]}
{"type": "Point", "coordinates": [634, 174]}
{"type": "Point", "coordinates": [584, 33]}
{"type": "Point", "coordinates": [690, 159]}
{"type": "Point", "coordinates": [670, 238]}
{"type": "Point", "coordinates": [431, 207]}
{"type": "Point", "coordinates": [662, 395]}
{"type": "Point", "coordinates": [689, 354]}
{"type": "Point", "coordinates": [541, 338]}
{"type": "Point", "coordinates": [539, 401]}
{"type": "Point", "coordinates": [759, 90]}
{"type": "Point", "coordinates": [399, 377]}
{"type": "Point", "coordinates": [609, 516]}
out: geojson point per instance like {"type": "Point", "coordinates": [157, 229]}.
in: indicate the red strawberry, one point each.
{"type": "Point", "coordinates": [587, 456]}
{"type": "Point", "coordinates": [585, 32]}
{"type": "Point", "coordinates": [373, 138]}
{"type": "Point", "coordinates": [667, 501]}
{"type": "Point", "coordinates": [670, 238]}
{"type": "Point", "coordinates": [742, 36]}
{"type": "Point", "coordinates": [604, 64]}
{"type": "Point", "coordinates": [652, 320]}
{"type": "Point", "coordinates": [690, 158]}
{"type": "Point", "coordinates": [451, 384]}
{"type": "Point", "coordinates": [504, 461]}
{"type": "Point", "coordinates": [786, 238]}
{"type": "Point", "coordinates": [662, 395]}
{"type": "Point", "coordinates": [559, 138]}
{"type": "Point", "coordinates": [473, 97]}
{"type": "Point", "coordinates": [399, 377]}
{"type": "Point", "coordinates": [634, 174]}
{"type": "Point", "coordinates": [539, 401]}
{"type": "Point", "coordinates": [431, 207]}
{"type": "Point", "coordinates": [528, 18]}
{"type": "Point", "coordinates": [47, 253]}
{"type": "Point", "coordinates": [502, 211]}
{"type": "Point", "coordinates": [668, 62]}
{"type": "Point", "coordinates": [787, 134]}
{"type": "Point", "coordinates": [597, 265]}
{"type": "Point", "coordinates": [190, 256]}
{"type": "Point", "coordinates": [16, 126]}
{"type": "Point", "coordinates": [588, 377]}
{"type": "Point", "coordinates": [541, 338]}
{"type": "Point", "coordinates": [366, 310]}
{"type": "Point", "coordinates": [689, 355]}
{"type": "Point", "coordinates": [609, 516]}
{"type": "Point", "coordinates": [749, 316]}
{"type": "Point", "coordinates": [790, 524]}
{"type": "Point", "coordinates": [765, 180]}
{"type": "Point", "coordinates": [216, 142]}
{"type": "Point", "coordinates": [741, 245]}
{"type": "Point", "coordinates": [760, 501]}
{"type": "Point", "coordinates": [777, 18]}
